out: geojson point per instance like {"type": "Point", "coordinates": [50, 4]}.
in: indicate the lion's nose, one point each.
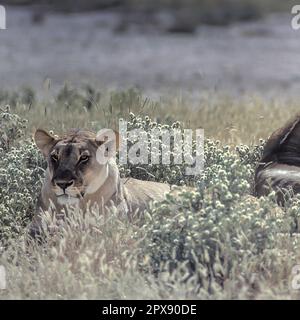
{"type": "Point", "coordinates": [64, 184]}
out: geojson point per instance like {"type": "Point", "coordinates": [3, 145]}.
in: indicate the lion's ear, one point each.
{"type": "Point", "coordinates": [44, 141]}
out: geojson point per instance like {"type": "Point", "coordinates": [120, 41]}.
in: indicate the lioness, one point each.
{"type": "Point", "coordinates": [75, 177]}
{"type": "Point", "coordinates": [279, 168]}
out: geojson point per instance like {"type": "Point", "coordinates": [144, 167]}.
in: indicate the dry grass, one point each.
{"type": "Point", "coordinates": [226, 118]}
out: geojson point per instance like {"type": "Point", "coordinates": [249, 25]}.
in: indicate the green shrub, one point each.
{"type": "Point", "coordinates": [171, 174]}
{"type": "Point", "coordinates": [218, 227]}
{"type": "Point", "coordinates": [21, 167]}
{"type": "Point", "coordinates": [21, 170]}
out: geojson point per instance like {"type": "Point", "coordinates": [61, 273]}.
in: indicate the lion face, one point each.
{"type": "Point", "coordinates": [72, 165]}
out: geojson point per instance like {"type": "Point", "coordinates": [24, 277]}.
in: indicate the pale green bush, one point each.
{"type": "Point", "coordinates": [219, 227]}
{"type": "Point", "coordinates": [21, 170]}
{"type": "Point", "coordinates": [21, 167]}
{"type": "Point", "coordinates": [171, 174]}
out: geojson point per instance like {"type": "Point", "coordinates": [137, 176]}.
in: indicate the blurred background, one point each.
{"type": "Point", "coordinates": [158, 46]}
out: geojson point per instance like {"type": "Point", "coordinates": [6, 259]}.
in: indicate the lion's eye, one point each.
{"type": "Point", "coordinates": [84, 158]}
{"type": "Point", "coordinates": [54, 157]}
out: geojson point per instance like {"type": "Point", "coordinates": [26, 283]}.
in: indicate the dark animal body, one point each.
{"type": "Point", "coordinates": [279, 168]}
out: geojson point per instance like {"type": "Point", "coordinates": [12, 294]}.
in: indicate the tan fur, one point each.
{"type": "Point", "coordinates": [96, 184]}
{"type": "Point", "coordinates": [279, 168]}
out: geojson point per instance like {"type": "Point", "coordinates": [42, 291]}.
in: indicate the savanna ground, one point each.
{"type": "Point", "coordinates": [216, 242]}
